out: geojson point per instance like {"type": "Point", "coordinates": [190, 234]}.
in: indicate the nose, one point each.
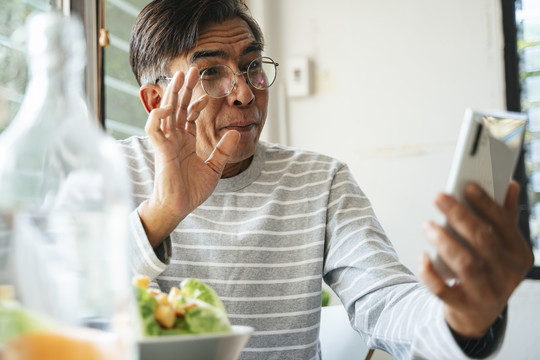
{"type": "Point", "coordinates": [242, 94]}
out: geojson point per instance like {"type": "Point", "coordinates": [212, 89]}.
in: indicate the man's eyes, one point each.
{"type": "Point", "coordinates": [211, 70]}
{"type": "Point", "coordinates": [255, 64]}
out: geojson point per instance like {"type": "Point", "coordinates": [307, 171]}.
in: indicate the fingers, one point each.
{"type": "Point", "coordinates": [463, 221]}
{"type": "Point", "coordinates": [153, 124]}
{"type": "Point", "coordinates": [500, 220]}
{"type": "Point", "coordinates": [170, 98]}
{"type": "Point", "coordinates": [432, 280]}
{"type": "Point", "coordinates": [172, 89]}
{"type": "Point", "coordinates": [487, 235]}
{"type": "Point", "coordinates": [194, 110]}
{"type": "Point", "coordinates": [511, 202]}
{"type": "Point", "coordinates": [484, 205]}
{"type": "Point", "coordinates": [474, 245]}
{"type": "Point", "coordinates": [182, 112]}
{"type": "Point", "coordinates": [177, 96]}
{"type": "Point", "coordinates": [487, 257]}
{"type": "Point", "coordinates": [223, 150]}
{"type": "Point", "coordinates": [470, 315]}
{"type": "Point", "coordinates": [457, 254]}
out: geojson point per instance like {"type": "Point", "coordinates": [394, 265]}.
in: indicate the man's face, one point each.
{"type": "Point", "coordinates": [230, 43]}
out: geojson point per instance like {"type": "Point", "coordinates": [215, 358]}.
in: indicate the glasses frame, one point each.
{"type": "Point", "coordinates": [263, 59]}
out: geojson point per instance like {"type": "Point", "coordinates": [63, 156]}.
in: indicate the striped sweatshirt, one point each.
{"type": "Point", "coordinates": [267, 238]}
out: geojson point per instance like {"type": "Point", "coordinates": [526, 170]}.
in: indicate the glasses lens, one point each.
{"type": "Point", "coordinates": [217, 81]}
{"type": "Point", "coordinates": [262, 73]}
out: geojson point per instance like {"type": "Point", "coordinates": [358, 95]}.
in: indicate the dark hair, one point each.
{"type": "Point", "coordinates": [166, 29]}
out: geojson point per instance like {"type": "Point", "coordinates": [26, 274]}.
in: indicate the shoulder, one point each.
{"type": "Point", "coordinates": [309, 167]}
{"type": "Point", "coordinates": [136, 144]}
{"type": "Point", "coordinates": [289, 156]}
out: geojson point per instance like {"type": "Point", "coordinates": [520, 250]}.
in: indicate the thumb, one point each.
{"type": "Point", "coordinates": [223, 151]}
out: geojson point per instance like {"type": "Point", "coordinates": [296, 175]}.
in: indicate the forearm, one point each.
{"type": "Point", "coordinates": [410, 324]}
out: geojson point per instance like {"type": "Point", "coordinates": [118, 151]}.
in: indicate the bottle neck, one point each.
{"type": "Point", "coordinates": [53, 92]}
{"type": "Point", "coordinates": [61, 80]}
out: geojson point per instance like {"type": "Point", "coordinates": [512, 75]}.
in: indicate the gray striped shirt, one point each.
{"type": "Point", "coordinates": [266, 239]}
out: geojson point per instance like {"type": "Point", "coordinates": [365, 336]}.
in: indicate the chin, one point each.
{"type": "Point", "coordinates": [244, 154]}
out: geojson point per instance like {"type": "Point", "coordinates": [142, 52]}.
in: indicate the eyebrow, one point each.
{"type": "Point", "coordinates": [254, 46]}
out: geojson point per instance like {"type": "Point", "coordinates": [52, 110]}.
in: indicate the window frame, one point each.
{"type": "Point", "coordinates": [91, 15]}
{"type": "Point", "coordinates": [513, 103]}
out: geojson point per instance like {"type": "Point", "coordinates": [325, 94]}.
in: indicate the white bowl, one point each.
{"type": "Point", "coordinates": [222, 346]}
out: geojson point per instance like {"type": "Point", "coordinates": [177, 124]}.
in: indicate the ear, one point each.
{"type": "Point", "coordinates": [151, 95]}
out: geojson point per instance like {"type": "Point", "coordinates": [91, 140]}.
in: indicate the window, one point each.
{"type": "Point", "coordinates": [528, 48]}
{"type": "Point", "coordinates": [14, 72]}
{"type": "Point", "coordinates": [124, 113]}
{"type": "Point", "coordinates": [522, 52]}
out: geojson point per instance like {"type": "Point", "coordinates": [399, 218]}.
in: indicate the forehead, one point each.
{"type": "Point", "coordinates": [230, 38]}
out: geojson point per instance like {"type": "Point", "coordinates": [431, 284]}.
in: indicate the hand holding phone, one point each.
{"type": "Point", "coordinates": [488, 147]}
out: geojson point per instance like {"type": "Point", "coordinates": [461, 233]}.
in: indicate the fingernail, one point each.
{"type": "Point", "coordinates": [443, 201]}
{"type": "Point", "coordinates": [428, 229]}
{"type": "Point", "coordinates": [423, 258]}
{"type": "Point", "coordinates": [473, 190]}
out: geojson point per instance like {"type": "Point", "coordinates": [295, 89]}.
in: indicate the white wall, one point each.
{"type": "Point", "coordinates": [391, 81]}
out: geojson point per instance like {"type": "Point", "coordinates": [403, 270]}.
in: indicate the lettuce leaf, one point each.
{"type": "Point", "coordinates": [196, 289]}
{"type": "Point", "coordinates": [204, 313]}
{"type": "Point", "coordinates": [205, 318]}
{"type": "Point", "coordinates": [147, 304]}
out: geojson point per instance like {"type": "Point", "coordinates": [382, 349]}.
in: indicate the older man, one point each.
{"type": "Point", "coordinates": [263, 224]}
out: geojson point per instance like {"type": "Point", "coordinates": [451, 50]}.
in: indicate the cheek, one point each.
{"type": "Point", "coordinates": [197, 91]}
{"type": "Point", "coordinates": [206, 132]}
{"type": "Point", "coordinates": [262, 105]}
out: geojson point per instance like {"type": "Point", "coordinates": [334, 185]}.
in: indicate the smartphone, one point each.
{"type": "Point", "coordinates": [488, 147]}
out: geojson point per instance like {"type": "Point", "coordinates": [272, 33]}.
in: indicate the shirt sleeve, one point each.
{"type": "Point", "coordinates": [144, 259]}
{"type": "Point", "coordinates": [490, 343]}
{"type": "Point", "coordinates": [385, 302]}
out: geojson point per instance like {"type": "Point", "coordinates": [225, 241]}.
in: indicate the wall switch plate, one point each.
{"type": "Point", "coordinates": [298, 77]}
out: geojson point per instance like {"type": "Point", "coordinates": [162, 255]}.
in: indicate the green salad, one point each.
{"type": "Point", "coordinates": [193, 308]}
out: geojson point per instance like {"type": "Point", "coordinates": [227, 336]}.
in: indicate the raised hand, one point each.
{"type": "Point", "coordinates": [487, 271]}
{"type": "Point", "coordinates": [182, 179]}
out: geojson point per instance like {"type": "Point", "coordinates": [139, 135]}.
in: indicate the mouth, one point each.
{"type": "Point", "coordinates": [241, 127]}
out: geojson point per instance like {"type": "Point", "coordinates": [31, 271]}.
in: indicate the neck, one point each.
{"type": "Point", "coordinates": [233, 169]}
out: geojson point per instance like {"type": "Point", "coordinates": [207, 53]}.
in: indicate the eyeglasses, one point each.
{"type": "Point", "coordinates": [219, 81]}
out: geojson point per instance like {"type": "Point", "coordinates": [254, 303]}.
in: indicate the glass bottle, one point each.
{"type": "Point", "coordinates": [64, 204]}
